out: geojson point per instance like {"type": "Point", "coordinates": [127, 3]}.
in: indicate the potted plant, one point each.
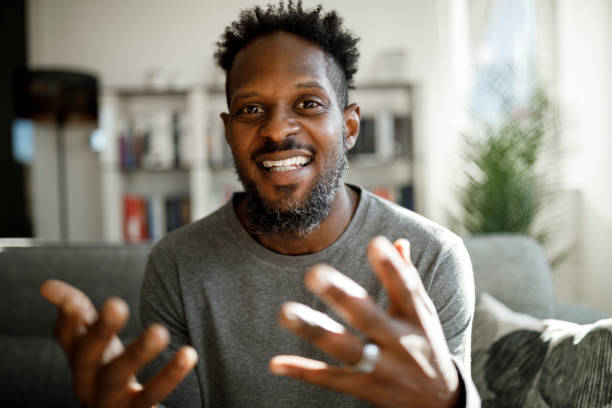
{"type": "Point", "coordinates": [512, 171]}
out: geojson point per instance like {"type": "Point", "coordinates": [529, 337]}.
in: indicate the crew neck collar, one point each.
{"type": "Point", "coordinates": [244, 239]}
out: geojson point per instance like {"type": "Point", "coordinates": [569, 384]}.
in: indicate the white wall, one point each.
{"type": "Point", "coordinates": [584, 79]}
{"type": "Point", "coordinates": [121, 40]}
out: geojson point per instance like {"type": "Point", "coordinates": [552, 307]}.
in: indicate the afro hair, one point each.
{"type": "Point", "coordinates": [322, 29]}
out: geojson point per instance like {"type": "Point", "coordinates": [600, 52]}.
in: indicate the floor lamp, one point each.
{"type": "Point", "coordinates": [59, 97]}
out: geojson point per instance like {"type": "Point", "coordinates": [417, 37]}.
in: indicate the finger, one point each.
{"type": "Point", "coordinates": [115, 376]}
{"type": "Point", "coordinates": [316, 372]}
{"type": "Point", "coordinates": [400, 277]}
{"type": "Point", "coordinates": [68, 328]}
{"type": "Point", "coordinates": [75, 312]}
{"type": "Point", "coordinates": [352, 303]}
{"type": "Point", "coordinates": [321, 330]}
{"type": "Point", "coordinates": [93, 346]}
{"type": "Point", "coordinates": [403, 247]}
{"type": "Point", "coordinates": [162, 384]}
{"type": "Point", "coordinates": [61, 294]}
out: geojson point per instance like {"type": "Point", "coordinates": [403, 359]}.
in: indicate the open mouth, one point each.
{"type": "Point", "coordinates": [291, 163]}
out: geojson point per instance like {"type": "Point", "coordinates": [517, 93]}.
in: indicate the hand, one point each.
{"type": "Point", "coordinates": [103, 371]}
{"type": "Point", "coordinates": [414, 369]}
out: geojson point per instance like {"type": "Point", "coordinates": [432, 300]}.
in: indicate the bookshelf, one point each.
{"type": "Point", "coordinates": [383, 159]}
{"type": "Point", "coordinates": [166, 161]}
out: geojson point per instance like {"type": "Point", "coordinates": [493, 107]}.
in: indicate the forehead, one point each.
{"type": "Point", "coordinates": [278, 60]}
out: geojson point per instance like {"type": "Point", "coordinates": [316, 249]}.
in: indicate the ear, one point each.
{"type": "Point", "coordinates": [226, 123]}
{"type": "Point", "coordinates": [352, 117]}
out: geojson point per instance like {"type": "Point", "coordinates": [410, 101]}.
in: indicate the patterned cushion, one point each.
{"type": "Point", "coordinates": [521, 361]}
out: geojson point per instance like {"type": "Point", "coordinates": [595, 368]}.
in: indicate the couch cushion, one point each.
{"type": "Point", "coordinates": [513, 268]}
{"type": "Point", "coordinates": [98, 270]}
{"type": "Point", "coordinates": [521, 361]}
{"type": "Point", "coordinates": [34, 373]}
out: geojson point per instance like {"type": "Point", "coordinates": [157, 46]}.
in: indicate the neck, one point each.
{"type": "Point", "coordinates": [342, 210]}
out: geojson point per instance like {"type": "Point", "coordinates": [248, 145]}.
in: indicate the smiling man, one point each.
{"type": "Point", "coordinates": [214, 290]}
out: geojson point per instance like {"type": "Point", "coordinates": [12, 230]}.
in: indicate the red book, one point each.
{"type": "Point", "coordinates": [384, 192]}
{"type": "Point", "coordinates": [135, 228]}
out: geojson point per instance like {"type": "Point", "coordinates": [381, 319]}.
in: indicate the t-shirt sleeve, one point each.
{"type": "Point", "coordinates": [160, 302]}
{"type": "Point", "coordinates": [452, 291]}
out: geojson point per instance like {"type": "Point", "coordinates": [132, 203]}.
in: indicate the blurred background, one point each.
{"type": "Point", "coordinates": [483, 115]}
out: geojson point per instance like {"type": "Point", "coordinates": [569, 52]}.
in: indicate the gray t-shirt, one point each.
{"type": "Point", "coordinates": [215, 288]}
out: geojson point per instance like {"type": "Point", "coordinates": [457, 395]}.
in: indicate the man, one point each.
{"type": "Point", "coordinates": [213, 290]}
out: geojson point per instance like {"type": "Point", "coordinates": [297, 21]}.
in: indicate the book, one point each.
{"type": "Point", "coordinates": [135, 226]}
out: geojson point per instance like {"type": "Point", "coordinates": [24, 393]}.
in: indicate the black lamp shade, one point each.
{"type": "Point", "coordinates": [56, 95]}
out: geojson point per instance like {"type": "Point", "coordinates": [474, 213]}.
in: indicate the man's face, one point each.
{"type": "Point", "coordinates": [286, 132]}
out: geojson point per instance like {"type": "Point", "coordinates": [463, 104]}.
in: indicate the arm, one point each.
{"type": "Point", "coordinates": [161, 303]}
{"type": "Point", "coordinates": [415, 367]}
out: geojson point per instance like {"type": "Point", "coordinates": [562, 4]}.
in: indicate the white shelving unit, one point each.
{"type": "Point", "coordinates": [200, 175]}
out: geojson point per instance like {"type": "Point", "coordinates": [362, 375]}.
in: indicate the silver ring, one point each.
{"type": "Point", "coordinates": [369, 358]}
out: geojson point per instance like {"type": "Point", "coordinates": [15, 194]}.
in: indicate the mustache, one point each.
{"type": "Point", "coordinates": [287, 144]}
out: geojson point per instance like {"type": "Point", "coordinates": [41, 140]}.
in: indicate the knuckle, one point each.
{"type": "Point", "coordinates": [310, 332]}
{"type": "Point", "coordinates": [108, 382]}
{"type": "Point", "coordinates": [134, 356]}
{"type": "Point", "coordinates": [80, 390]}
{"type": "Point", "coordinates": [145, 399]}
{"type": "Point", "coordinates": [336, 294]}
{"type": "Point", "coordinates": [369, 320]}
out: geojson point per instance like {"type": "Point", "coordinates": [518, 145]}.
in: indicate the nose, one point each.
{"type": "Point", "coordinates": [279, 124]}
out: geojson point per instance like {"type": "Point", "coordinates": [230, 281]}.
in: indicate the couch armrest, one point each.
{"type": "Point", "coordinates": [513, 269]}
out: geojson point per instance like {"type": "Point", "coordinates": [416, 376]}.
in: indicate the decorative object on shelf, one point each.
{"type": "Point", "coordinates": [153, 142]}
{"type": "Point", "coordinates": [59, 97]}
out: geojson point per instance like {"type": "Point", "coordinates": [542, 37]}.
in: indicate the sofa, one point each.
{"type": "Point", "coordinates": [33, 370]}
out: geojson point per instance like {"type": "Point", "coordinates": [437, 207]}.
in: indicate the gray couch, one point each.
{"type": "Point", "coordinates": [33, 370]}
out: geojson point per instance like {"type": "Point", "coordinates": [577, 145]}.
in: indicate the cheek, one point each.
{"type": "Point", "coordinates": [329, 133]}
{"type": "Point", "coordinates": [238, 141]}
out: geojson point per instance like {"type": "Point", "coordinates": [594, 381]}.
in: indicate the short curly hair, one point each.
{"type": "Point", "coordinates": [322, 29]}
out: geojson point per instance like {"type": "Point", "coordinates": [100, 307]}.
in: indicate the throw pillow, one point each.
{"type": "Point", "coordinates": [521, 361]}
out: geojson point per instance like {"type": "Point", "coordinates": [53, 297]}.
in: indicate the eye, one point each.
{"type": "Point", "coordinates": [308, 104]}
{"type": "Point", "coordinates": [251, 110]}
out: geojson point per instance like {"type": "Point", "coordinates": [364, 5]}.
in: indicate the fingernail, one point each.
{"type": "Point", "coordinates": [320, 280]}
{"type": "Point", "coordinates": [279, 369]}
{"type": "Point", "coordinates": [289, 309]}
{"type": "Point", "coordinates": [188, 357]}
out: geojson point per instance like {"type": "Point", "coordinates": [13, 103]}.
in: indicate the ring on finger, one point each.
{"type": "Point", "coordinates": [369, 358]}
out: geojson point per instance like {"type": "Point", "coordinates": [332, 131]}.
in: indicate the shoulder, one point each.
{"type": "Point", "coordinates": [438, 254]}
{"type": "Point", "coordinates": [395, 222]}
{"type": "Point", "coordinates": [194, 233]}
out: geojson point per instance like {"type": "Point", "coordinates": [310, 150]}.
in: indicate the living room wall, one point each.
{"type": "Point", "coordinates": [584, 64]}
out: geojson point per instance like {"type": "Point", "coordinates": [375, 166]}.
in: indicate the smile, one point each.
{"type": "Point", "coordinates": [292, 163]}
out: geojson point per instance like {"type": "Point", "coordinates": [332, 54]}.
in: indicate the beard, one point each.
{"type": "Point", "coordinates": [289, 215]}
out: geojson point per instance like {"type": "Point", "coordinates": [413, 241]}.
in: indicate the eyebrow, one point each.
{"type": "Point", "coordinates": [310, 84]}
{"type": "Point", "coordinates": [241, 95]}
{"type": "Point", "coordinates": [301, 85]}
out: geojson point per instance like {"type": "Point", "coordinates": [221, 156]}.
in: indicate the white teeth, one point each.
{"type": "Point", "coordinates": [283, 168]}
{"type": "Point", "coordinates": [287, 164]}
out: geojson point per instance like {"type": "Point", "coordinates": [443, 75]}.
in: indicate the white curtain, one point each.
{"type": "Point", "coordinates": [502, 36]}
